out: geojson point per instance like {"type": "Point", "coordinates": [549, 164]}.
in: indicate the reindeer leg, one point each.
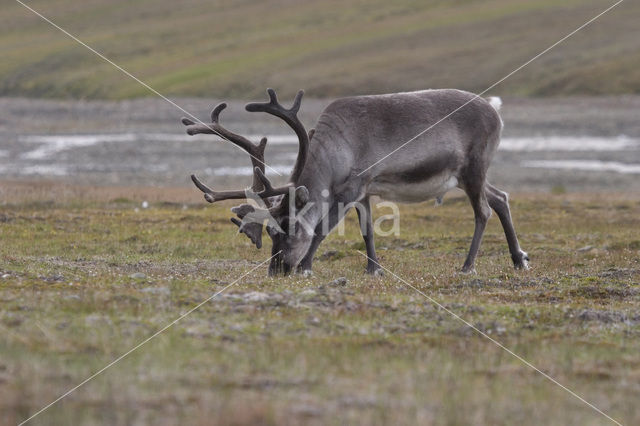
{"type": "Point", "coordinates": [333, 217]}
{"type": "Point", "coordinates": [366, 228]}
{"type": "Point", "coordinates": [499, 201]}
{"type": "Point", "coordinates": [305, 265]}
{"type": "Point", "coordinates": [482, 213]}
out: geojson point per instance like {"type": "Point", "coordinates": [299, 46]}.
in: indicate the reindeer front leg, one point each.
{"type": "Point", "coordinates": [305, 265]}
{"type": "Point", "coordinates": [320, 232]}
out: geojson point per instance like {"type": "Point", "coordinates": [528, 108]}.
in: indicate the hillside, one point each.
{"type": "Point", "coordinates": [330, 48]}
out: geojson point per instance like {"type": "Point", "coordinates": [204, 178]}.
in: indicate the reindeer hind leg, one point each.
{"type": "Point", "coordinates": [499, 202]}
{"type": "Point", "coordinates": [482, 212]}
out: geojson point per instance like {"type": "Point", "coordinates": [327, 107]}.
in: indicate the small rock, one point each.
{"type": "Point", "coordinates": [313, 321]}
{"type": "Point", "coordinates": [255, 296]}
{"type": "Point", "coordinates": [4, 276]}
{"type": "Point", "coordinates": [138, 276]}
{"type": "Point", "coordinates": [602, 316]}
{"type": "Point", "coordinates": [53, 278]}
{"type": "Point", "coordinates": [338, 282]}
{"type": "Point", "coordinates": [308, 293]}
{"type": "Point", "coordinates": [350, 306]}
{"type": "Point", "coordinates": [357, 401]}
{"type": "Point", "coordinates": [145, 204]}
{"type": "Point", "coordinates": [96, 320]}
{"type": "Point", "coordinates": [157, 290]}
{"type": "Point", "coordinates": [584, 249]}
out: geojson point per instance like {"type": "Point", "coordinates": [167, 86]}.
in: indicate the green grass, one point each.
{"type": "Point", "coordinates": [302, 350]}
{"type": "Point", "coordinates": [330, 48]}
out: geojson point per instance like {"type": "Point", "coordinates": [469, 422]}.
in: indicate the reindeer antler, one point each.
{"type": "Point", "coordinates": [256, 152]}
{"type": "Point", "coordinates": [262, 187]}
{"type": "Point", "coordinates": [290, 117]}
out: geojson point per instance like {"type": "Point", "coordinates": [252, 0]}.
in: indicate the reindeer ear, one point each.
{"type": "Point", "coordinates": [302, 196]}
{"type": "Point", "coordinates": [252, 229]}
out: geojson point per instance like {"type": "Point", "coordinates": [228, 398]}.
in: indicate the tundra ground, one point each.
{"type": "Point", "coordinates": [87, 274]}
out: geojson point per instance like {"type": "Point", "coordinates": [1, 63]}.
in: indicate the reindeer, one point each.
{"type": "Point", "coordinates": [334, 168]}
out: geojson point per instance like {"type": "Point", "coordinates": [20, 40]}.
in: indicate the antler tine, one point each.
{"type": "Point", "coordinates": [214, 127]}
{"type": "Point", "coordinates": [216, 111]}
{"type": "Point", "coordinates": [296, 102]}
{"type": "Point", "coordinates": [269, 190]}
{"type": "Point", "coordinates": [290, 117]}
{"type": "Point", "coordinates": [212, 196]}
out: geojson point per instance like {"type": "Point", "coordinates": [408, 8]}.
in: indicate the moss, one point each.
{"type": "Point", "coordinates": [294, 349]}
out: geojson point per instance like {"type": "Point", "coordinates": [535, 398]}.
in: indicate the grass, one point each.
{"type": "Point", "coordinates": [86, 274]}
{"type": "Point", "coordinates": [330, 48]}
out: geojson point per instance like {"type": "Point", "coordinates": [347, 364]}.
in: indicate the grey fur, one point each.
{"type": "Point", "coordinates": [353, 133]}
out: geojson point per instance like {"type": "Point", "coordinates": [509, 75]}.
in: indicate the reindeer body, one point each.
{"type": "Point", "coordinates": [341, 164]}
{"type": "Point", "coordinates": [353, 133]}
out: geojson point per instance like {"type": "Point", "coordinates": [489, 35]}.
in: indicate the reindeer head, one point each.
{"type": "Point", "coordinates": [278, 207]}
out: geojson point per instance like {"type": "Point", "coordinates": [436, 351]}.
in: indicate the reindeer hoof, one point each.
{"type": "Point", "coordinates": [522, 262]}
{"type": "Point", "coordinates": [378, 272]}
{"type": "Point", "coordinates": [468, 271]}
{"type": "Point", "coordinates": [307, 273]}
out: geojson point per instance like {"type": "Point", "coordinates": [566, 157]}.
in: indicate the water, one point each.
{"type": "Point", "coordinates": [62, 155]}
{"type": "Point", "coordinates": [564, 143]}
{"type": "Point", "coordinates": [48, 146]}
{"type": "Point", "coordinates": [587, 165]}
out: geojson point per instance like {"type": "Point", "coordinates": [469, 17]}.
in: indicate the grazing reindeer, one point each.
{"type": "Point", "coordinates": [333, 169]}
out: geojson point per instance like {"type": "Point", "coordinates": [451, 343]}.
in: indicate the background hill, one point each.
{"type": "Point", "coordinates": [330, 48]}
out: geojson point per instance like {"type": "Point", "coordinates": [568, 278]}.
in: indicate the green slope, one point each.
{"type": "Point", "coordinates": [330, 48]}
